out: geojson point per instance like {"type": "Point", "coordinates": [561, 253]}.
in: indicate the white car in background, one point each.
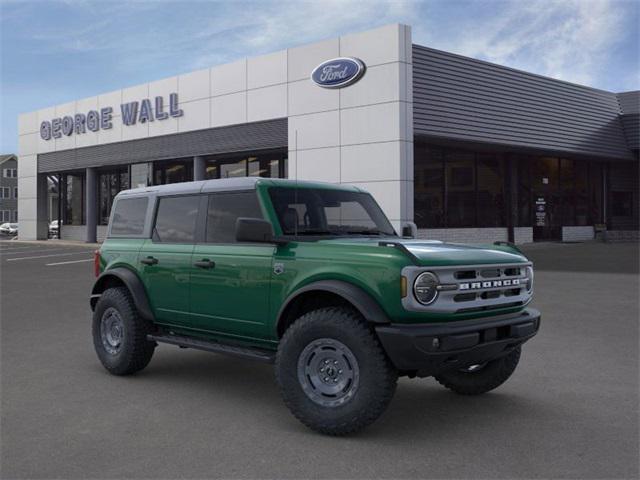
{"type": "Point", "coordinates": [54, 229]}
{"type": "Point", "coordinates": [9, 228]}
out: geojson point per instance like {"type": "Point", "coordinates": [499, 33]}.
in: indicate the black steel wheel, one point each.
{"type": "Point", "coordinates": [332, 372]}
{"type": "Point", "coordinates": [120, 334]}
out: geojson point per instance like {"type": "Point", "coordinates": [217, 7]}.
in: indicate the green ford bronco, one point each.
{"type": "Point", "coordinates": [313, 278]}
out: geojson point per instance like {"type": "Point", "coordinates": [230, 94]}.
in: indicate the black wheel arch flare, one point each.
{"type": "Point", "coordinates": [368, 307]}
{"type": "Point", "coordinates": [131, 280]}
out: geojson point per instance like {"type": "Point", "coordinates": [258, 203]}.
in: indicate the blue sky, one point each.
{"type": "Point", "coordinates": [57, 51]}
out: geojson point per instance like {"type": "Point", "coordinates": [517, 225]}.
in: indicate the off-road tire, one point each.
{"type": "Point", "coordinates": [377, 377]}
{"type": "Point", "coordinates": [489, 377]}
{"type": "Point", "coordinates": [135, 350]}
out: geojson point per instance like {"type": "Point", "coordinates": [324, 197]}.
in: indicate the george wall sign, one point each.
{"type": "Point", "coordinates": [338, 72]}
{"type": "Point", "coordinates": [94, 120]}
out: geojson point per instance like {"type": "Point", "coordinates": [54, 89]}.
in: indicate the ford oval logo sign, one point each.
{"type": "Point", "coordinates": [338, 73]}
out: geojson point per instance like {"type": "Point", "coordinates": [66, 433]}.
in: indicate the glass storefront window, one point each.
{"type": "Point", "coordinates": [491, 199]}
{"type": "Point", "coordinates": [234, 168]}
{"type": "Point", "coordinates": [109, 185]}
{"type": "Point", "coordinates": [429, 187]}
{"type": "Point", "coordinates": [457, 189]}
{"type": "Point", "coordinates": [172, 171]}
{"type": "Point", "coordinates": [523, 185]}
{"type": "Point", "coordinates": [623, 198]}
{"type": "Point", "coordinates": [73, 191]}
{"type": "Point", "coordinates": [596, 192]}
{"type": "Point", "coordinates": [267, 164]}
{"type": "Point", "coordinates": [460, 189]}
{"type": "Point", "coordinates": [581, 172]}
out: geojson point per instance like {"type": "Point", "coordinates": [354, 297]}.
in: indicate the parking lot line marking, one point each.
{"type": "Point", "coordinates": [44, 256]}
{"type": "Point", "coordinates": [34, 250]}
{"type": "Point", "coordinates": [70, 261]}
{"type": "Point", "coordinates": [26, 249]}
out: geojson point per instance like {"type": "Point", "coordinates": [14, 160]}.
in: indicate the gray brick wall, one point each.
{"type": "Point", "coordinates": [464, 235]}
{"type": "Point", "coordinates": [577, 234]}
{"type": "Point", "coordinates": [523, 235]}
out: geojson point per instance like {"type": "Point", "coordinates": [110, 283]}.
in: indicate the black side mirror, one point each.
{"type": "Point", "coordinates": [254, 230]}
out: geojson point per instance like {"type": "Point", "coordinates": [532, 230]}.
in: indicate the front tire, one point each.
{"type": "Point", "coordinates": [332, 372]}
{"type": "Point", "coordinates": [480, 379]}
{"type": "Point", "coordinates": [120, 333]}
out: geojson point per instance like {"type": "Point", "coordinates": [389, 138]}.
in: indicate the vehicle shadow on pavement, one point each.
{"type": "Point", "coordinates": [419, 408]}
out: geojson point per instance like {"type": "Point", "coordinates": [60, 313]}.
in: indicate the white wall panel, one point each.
{"type": "Point", "coordinates": [229, 78]}
{"type": "Point", "coordinates": [131, 132]}
{"type": "Point", "coordinates": [111, 99]}
{"type": "Point", "coordinates": [46, 145]}
{"type": "Point", "coordinates": [374, 47]}
{"type": "Point", "coordinates": [303, 59]}
{"type": "Point", "coordinates": [372, 162]}
{"type": "Point", "coordinates": [162, 88]}
{"type": "Point", "coordinates": [306, 97]}
{"type": "Point", "coordinates": [380, 84]}
{"type": "Point", "coordinates": [267, 70]}
{"type": "Point", "coordinates": [28, 144]}
{"type": "Point", "coordinates": [164, 127]}
{"type": "Point", "coordinates": [266, 103]}
{"type": "Point", "coordinates": [197, 115]}
{"type": "Point", "coordinates": [315, 130]}
{"type": "Point", "coordinates": [113, 134]}
{"type": "Point", "coordinates": [321, 164]}
{"type": "Point", "coordinates": [370, 124]}
{"type": "Point", "coordinates": [194, 85]}
{"type": "Point", "coordinates": [229, 109]}
{"type": "Point", "coordinates": [27, 166]}
{"type": "Point", "coordinates": [131, 94]}
{"type": "Point", "coordinates": [28, 123]}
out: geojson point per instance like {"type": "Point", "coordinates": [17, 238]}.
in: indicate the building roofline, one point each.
{"type": "Point", "coordinates": [518, 70]}
{"type": "Point", "coordinates": [6, 158]}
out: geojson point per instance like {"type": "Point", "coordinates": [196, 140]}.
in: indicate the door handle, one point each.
{"type": "Point", "coordinates": [149, 261]}
{"type": "Point", "coordinates": [205, 263]}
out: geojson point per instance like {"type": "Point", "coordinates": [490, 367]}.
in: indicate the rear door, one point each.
{"type": "Point", "coordinates": [230, 281]}
{"type": "Point", "coordinates": [165, 259]}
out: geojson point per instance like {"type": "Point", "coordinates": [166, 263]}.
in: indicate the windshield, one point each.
{"type": "Point", "coordinates": [317, 211]}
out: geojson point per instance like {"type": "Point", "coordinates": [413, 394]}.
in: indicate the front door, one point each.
{"type": "Point", "coordinates": [546, 201]}
{"type": "Point", "coordinates": [230, 281]}
{"type": "Point", "coordinates": [165, 259]}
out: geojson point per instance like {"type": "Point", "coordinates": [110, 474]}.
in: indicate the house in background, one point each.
{"type": "Point", "coordinates": [9, 188]}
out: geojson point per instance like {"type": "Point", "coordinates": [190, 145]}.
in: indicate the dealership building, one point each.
{"type": "Point", "coordinates": [467, 150]}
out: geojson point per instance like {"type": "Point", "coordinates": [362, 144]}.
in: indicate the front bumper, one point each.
{"type": "Point", "coordinates": [429, 349]}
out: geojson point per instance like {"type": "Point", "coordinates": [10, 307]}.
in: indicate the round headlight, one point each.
{"type": "Point", "coordinates": [425, 288]}
{"type": "Point", "coordinates": [529, 275]}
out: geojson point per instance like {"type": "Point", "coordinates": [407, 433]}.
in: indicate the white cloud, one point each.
{"type": "Point", "coordinates": [569, 40]}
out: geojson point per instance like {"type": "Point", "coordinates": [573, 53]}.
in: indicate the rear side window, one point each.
{"type": "Point", "coordinates": [129, 215]}
{"type": "Point", "coordinates": [176, 219]}
{"type": "Point", "coordinates": [224, 209]}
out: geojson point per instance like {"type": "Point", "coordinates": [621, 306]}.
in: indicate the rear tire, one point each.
{"type": "Point", "coordinates": [483, 379]}
{"type": "Point", "coordinates": [332, 372]}
{"type": "Point", "coordinates": [120, 333]}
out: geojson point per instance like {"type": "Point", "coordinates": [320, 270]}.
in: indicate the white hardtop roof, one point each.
{"type": "Point", "coordinates": [226, 184]}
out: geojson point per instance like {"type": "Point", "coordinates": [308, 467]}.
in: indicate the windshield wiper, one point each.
{"type": "Point", "coordinates": [364, 232]}
{"type": "Point", "coordinates": [314, 232]}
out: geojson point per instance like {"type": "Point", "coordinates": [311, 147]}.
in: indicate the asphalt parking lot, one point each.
{"type": "Point", "coordinates": [569, 411]}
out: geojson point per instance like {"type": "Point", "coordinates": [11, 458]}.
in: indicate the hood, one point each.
{"type": "Point", "coordinates": [435, 253]}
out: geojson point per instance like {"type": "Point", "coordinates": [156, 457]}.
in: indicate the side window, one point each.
{"type": "Point", "coordinates": [129, 215]}
{"type": "Point", "coordinates": [224, 209]}
{"type": "Point", "coordinates": [176, 219]}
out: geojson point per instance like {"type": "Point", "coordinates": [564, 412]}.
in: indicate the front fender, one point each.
{"type": "Point", "coordinates": [361, 300]}
{"type": "Point", "coordinates": [132, 282]}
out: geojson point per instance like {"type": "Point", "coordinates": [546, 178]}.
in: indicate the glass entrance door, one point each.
{"type": "Point", "coordinates": [546, 201]}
